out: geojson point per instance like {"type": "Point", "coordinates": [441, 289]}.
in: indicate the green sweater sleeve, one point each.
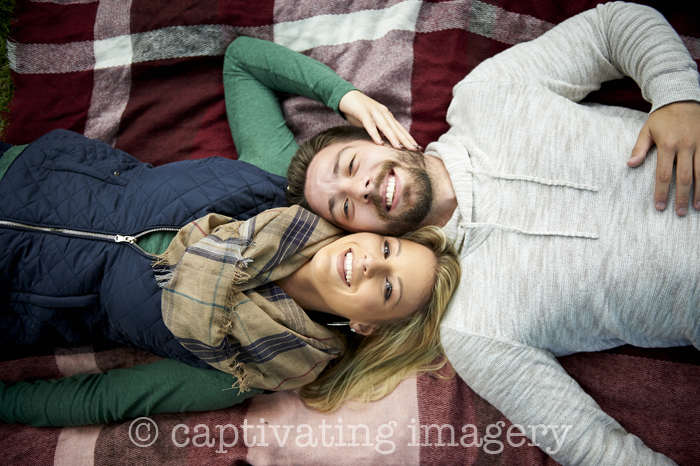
{"type": "Point", "coordinates": [9, 157]}
{"type": "Point", "coordinates": [253, 70]}
{"type": "Point", "coordinates": [161, 387]}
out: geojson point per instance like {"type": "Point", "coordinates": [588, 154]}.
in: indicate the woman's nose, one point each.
{"type": "Point", "coordinates": [369, 265]}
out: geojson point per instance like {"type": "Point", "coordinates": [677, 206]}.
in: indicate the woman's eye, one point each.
{"type": "Point", "coordinates": [345, 208]}
{"type": "Point", "coordinates": [352, 162]}
{"type": "Point", "coordinates": [387, 290]}
{"type": "Point", "coordinates": [387, 249]}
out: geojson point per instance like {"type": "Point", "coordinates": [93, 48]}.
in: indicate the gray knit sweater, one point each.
{"type": "Point", "coordinates": [561, 247]}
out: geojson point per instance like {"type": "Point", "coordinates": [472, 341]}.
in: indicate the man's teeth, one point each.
{"type": "Point", "coordinates": [348, 268]}
{"type": "Point", "coordinates": [391, 185]}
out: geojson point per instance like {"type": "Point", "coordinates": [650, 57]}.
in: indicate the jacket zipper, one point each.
{"type": "Point", "coordinates": [86, 234]}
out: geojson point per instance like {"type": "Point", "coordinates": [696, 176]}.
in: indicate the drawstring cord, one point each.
{"type": "Point", "coordinates": [532, 233]}
{"type": "Point", "coordinates": [533, 179]}
{"type": "Point", "coordinates": [542, 181]}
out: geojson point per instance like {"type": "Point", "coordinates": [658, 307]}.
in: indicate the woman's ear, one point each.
{"type": "Point", "coordinates": [362, 329]}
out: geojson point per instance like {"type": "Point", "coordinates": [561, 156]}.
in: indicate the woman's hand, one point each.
{"type": "Point", "coordinates": [363, 111]}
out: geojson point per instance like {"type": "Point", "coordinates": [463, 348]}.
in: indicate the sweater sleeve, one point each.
{"type": "Point", "coordinates": [161, 387]}
{"type": "Point", "coordinates": [605, 43]}
{"type": "Point", "coordinates": [529, 386]}
{"type": "Point", "coordinates": [253, 70]}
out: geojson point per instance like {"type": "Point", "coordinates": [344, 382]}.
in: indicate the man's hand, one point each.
{"type": "Point", "coordinates": [675, 129]}
{"type": "Point", "coordinates": [363, 111]}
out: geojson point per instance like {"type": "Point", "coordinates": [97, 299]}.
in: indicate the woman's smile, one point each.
{"type": "Point", "coordinates": [345, 267]}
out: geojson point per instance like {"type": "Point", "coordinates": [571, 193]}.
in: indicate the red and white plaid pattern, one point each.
{"type": "Point", "coordinates": [145, 76]}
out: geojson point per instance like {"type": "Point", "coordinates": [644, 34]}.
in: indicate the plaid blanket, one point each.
{"type": "Point", "coordinates": [425, 421]}
{"type": "Point", "coordinates": [145, 75]}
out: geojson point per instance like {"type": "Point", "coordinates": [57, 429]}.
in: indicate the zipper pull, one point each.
{"type": "Point", "coordinates": [124, 239]}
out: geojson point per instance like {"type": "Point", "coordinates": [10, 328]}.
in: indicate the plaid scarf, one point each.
{"type": "Point", "coordinates": [221, 303]}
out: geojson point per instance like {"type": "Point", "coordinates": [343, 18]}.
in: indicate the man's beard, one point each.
{"type": "Point", "coordinates": [413, 163]}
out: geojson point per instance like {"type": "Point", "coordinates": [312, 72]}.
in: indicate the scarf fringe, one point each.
{"type": "Point", "coordinates": [236, 368]}
{"type": "Point", "coordinates": [242, 378]}
{"type": "Point", "coordinates": [163, 271]}
{"type": "Point", "coordinates": [240, 276]}
{"type": "Point", "coordinates": [163, 275]}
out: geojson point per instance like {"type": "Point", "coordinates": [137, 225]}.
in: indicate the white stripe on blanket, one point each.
{"type": "Point", "coordinates": [294, 434]}
{"type": "Point", "coordinates": [76, 446]}
{"type": "Point", "coordinates": [71, 361]}
{"type": "Point", "coordinates": [340, 29]}
{"type": "Point", "coordinates": [112, 77]}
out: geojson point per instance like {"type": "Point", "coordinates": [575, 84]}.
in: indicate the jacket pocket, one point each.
{"type": "Point", "coordinates": [57, 302]}
{"type": "Point", "coordinates": [105, 174]}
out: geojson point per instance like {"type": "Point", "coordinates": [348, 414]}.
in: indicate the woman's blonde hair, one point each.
{"type": "Point", "coordinates": [372, 366]}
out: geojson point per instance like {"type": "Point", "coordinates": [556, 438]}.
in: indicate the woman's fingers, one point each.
{"type": "Point", "coordinates": [371, 126]}
{"type": "Point", "coordinates": [363, 111]}
{"type": "Point", "coordinates": [396, 133]}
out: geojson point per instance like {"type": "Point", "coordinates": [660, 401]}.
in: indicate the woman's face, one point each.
{"type": "Point", "coordinates": [370, 279]}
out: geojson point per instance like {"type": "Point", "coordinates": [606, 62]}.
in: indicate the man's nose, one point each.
{"type": "Point", "coordinates": [362, 190]}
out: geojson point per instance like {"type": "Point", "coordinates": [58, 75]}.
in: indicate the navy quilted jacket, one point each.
{"type": "Point", "coordinates": [60, 287]}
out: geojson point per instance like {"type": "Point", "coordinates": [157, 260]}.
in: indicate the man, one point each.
{"type": "Point", "coordinates": [561, 249]}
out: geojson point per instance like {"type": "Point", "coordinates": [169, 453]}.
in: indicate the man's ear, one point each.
{"type": "Point", "coordinates": [362, 329]}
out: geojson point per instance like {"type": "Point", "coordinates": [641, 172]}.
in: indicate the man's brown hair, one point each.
{"type": "Point", "coordinates": [296, 173]}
